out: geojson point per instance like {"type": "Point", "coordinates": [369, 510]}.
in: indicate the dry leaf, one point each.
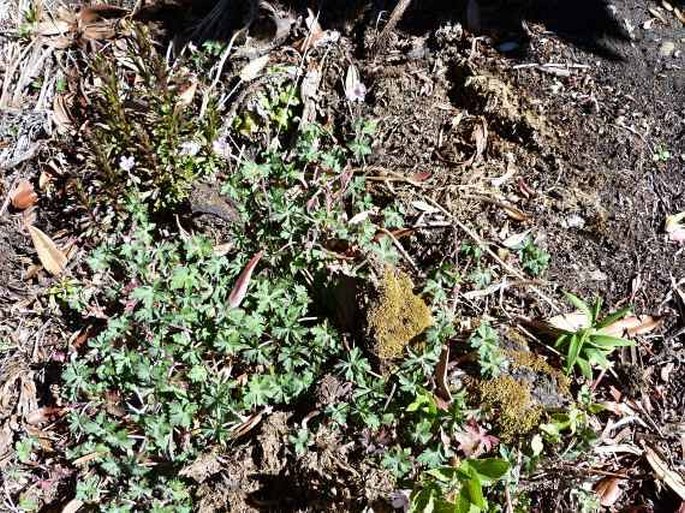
{"type": "Point", "coordinates": [631, 326]}
{"type": "Point", "coordinates": [253, 68]}
{"type": "Point", "coordinates": [53, 259]}
{"type": "Point", "coordinates": [674, 227]}
{"type": "Point", "coordinates": [72, 506]}
{"type": "Point", "coordinates": [672, 479]}
{"type": "Point", "coordinates": [42, 415]}
{"type": "Point", "coordinates": [424, 207]}
{"type": "Point", "coordinates": [515, 213]}
{"type": "Point", "coordinates": [516, 240]}
{"type": "Point", "coordinates": [60, 112]}
{"type": "Point", "coordinates": [570, 322]}
{"type": "Point", "coordinates": [240, 289]}
{"type": "Point", "coordinates": [608, 490]}
{"type": "Point", "coordinates": [186, 97]}
{"type": "Point", "coordinates": [315, 31]}
{"type": "Point", "coordinates": [23, 196]}
{"type": "Point", "coordinates": [359, 218]}
{"type": "Point", "coordinates": [55, 27]}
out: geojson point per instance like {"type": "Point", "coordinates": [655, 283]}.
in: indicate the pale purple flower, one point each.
{"type": "Point", "coordinates": [356, 93]}
{"type": "Point", "coordinates": [399, 499]}
{"type": "Point", "coordinates": [127, 163]}
{"type": "Point", "coordinates": [190, 148]}
{"type": "Point", "coordinates": [221, 147]}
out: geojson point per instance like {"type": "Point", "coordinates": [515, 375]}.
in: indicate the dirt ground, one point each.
{"type": "Point", "coordinates": [576, 133]}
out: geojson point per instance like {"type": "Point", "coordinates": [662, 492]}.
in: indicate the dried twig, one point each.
{"type": "Point", "coordinates": [480, 243]}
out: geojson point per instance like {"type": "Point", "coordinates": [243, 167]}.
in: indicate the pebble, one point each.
{"type": "Point", "coordinates": [667, 49]}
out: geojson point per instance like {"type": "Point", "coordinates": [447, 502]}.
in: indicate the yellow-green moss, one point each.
{"type": "Point", "coordinates": [517, 412]}
{"type": "Point", "coordinates": [397, 316]}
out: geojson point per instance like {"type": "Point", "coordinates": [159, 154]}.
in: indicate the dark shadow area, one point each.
{"type": "Point", "coordinates": [588, 24]}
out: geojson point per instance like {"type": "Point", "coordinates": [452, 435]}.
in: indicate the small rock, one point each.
{"type": "Point", "coordinates": [667, 49]}
{"type": "Point", "coordinates": [573, 221]}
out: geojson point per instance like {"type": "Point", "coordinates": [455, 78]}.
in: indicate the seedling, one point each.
{"type": "Point", "coordinates": [458, 489]}
{"type": "Point", "coordinates": [588, 346]}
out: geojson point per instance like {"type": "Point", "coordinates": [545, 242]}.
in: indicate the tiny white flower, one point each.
{"type": "Point", "coordinates": [190, 148]}
{"type": "Point", "coordinates": [127, 163]}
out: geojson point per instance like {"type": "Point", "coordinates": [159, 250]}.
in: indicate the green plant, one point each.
{"type": "Point", "coordinates": [534, 260]}
{"type": "Point", "coordinates": [491, 358]}
{"type": "Point", "coordinates": [458, 489]}
{"type": "Point", "coordinates": [661, 154]}
{"type": "Point", "coordinates": [142, 138]}
{"type": "Point", "coordinates": [588, 346]}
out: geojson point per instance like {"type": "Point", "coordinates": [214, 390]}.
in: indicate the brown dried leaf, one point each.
{"type": "Point", "coordinates": [240, 289]}
{"type": "Point", "coordinates": [674, 480]}
{"type": "Point", "coordinates": [515, 213]}
{"type": "Point", "coordinates": [608, 490]}
{"type": "Point", "coordinates": [99, 31]}
{"type": "Point", "coordinates": [186, 97]}
{"type": "Point", "coordinates": [253, 68]}
{"type": "Point", "coordinates": [55, 27]}
{"type": "Point", "coordinates": [43, 415]}
{"type": "Point", "coordinates": [100, 12]}
{"type": "Point", "coordinates": [53, 259]}
{"type": "Point", "coordinates": [23, 196]}
{"type": "Point", "coordinates": [61, 106]}
{"type": "Point", "coordinates": [632, 325]}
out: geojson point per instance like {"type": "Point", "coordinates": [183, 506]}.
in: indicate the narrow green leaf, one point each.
{"type": "Point", "coordinates": [607, 342]}
{"type": "Point", "coordinates": [584, 367]}
{"type": "Point", "coordinates": [579, 304]}
{"type": "Point", "coordinates": [613, 317]}
{"type": "Point", "coordinates": [596, 308]}
{"type": "Point", "coordinates": [561, 341]}
{"type": "Point", "coordinates": [573, 351]}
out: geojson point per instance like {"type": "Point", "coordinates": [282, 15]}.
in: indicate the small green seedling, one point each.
{"type": "Point", "coordinates": [661, 154]}
{"type": "Point", "coordinates": [458, 489]}
{"type": "Point", "coordinates": [588, 346]}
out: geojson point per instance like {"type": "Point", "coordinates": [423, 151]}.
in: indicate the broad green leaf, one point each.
{"type": "Point", "coordinates": [579, 304]}
{"type": "Point", "coordinates": [489, 469]}
{"type": "Point", "coordinates": [444, 473]}
{"type": "Point", "coordinates": [473, 490]}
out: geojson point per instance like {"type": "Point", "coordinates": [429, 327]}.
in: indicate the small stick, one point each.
{"type": "Point", "coordinates": [395, 17]}
{"type": "Point", "coordinates": [494, 255]}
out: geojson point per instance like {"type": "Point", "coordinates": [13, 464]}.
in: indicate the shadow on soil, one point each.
{"type": "Point", "coordinates": [588, 24]}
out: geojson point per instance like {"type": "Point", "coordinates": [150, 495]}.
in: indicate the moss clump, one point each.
{"type": "Point", "coordinates": [517, 412]}
{"type": "Point", "coordinates": [397, 316]}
